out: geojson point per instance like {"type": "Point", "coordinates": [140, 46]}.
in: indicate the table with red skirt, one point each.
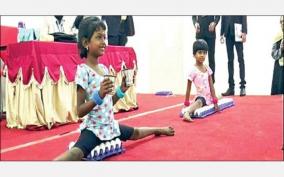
{"type": "Point", "coordinates": [40, 87]}
{"type": "Point", "coordinates": [8, 35]}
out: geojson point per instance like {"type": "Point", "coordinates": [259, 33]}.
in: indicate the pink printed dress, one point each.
{"type": "Point", "coordinates": [201, 82]}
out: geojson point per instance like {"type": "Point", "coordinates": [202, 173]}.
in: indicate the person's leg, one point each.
{"type": "Point", "coordinates": [135, 133]}
{"type": "Point", "coordinates": [230, 53]}
{"type": "Point", "coordinates": [281, 79]}
{"type": "Point", "coordinates": [274, 79]}
{"type": "Point", "coordinates": [85, 144]}
{"type": "Point", "coordinates": [199, 102]}
{"type": "Point", "coordinates": [211, 55]}
{"type": "Point", "coordinates": [239, 47]}
{"type": "Point", "coordinates": [277, 86]}
{"type": "Point", "coordinates": [142, 132]}
{"type": "Point", "coordinates": [74, 154]}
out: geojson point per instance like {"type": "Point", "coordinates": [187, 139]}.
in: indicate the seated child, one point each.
{"type": "Point", "coordinates": [201, 75]}
{"type": "Point", "coordinates": [95, 98]}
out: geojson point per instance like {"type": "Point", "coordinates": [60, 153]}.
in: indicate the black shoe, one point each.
{"type": "Point", "coordinates": [243, 92]}
{"type": "Point", "coordinates": [229, 92]}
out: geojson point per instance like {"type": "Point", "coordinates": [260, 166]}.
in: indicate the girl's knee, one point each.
{"type": "Point", "coordinates": [199, 103]}
{"type": "Point", "coordinates": [76, 153]}
{"type": "Point", "coordinates": [136, 134]}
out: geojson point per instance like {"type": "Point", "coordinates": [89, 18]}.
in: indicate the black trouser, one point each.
{"type": "Point", "coordinates": [278, 79]}
{"type": "Point", "coordinates": [211, 53]}
{"type": "Point", "coordinates": [230, 43]}
{"type": "Point", "coordinates": [87, 140]}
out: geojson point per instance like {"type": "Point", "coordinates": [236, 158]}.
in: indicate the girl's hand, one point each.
{"type": "Point", "coordinates": [123, 84]}
{"type": "Point", "coordinates": [216, 107]}
{"type": "Point", "coordinates": [107, 87]}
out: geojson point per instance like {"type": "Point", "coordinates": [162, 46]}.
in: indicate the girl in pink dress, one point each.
{"type": "Point", "coordinates": [201, 75]}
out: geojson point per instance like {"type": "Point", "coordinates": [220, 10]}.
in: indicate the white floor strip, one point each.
{"type": "Point", "coordinates": [77, 131]}
{"type": "Point", "coordinates": [151, 112]}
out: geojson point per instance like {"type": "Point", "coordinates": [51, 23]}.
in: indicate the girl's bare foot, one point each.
{"type": "Point", "coordinates": [168, 131]}
{"type": "Point", "coordinates": [187, 118]}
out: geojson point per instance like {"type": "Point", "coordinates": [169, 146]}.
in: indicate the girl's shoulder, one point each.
{"type": "Point", "coordinates": [193, 68]}
{"type": "Point", "coordinates": [82, 65]}
{"type": "Point", "coordinates": [105, 69]}
{"type": "Point", "coordinates": [209, 70]}
{"type": "Point", "coordinates": [102, 66]}
{"type": "Point", "coordinates": [82, 68]}
{"type": "Point", "coordinates": [85, 69]}
{"type": "Point", "coordinates": [204, 69]}
{"type": "Point", "coordinates": [206, 66]}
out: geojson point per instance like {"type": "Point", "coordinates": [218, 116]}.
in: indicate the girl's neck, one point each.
{"type": "Point", "coordinates": [201, 67]}
{"type": "Point", "coordinates": [198, 64]}
{"type": "Point", "coordinates": [92, 61]}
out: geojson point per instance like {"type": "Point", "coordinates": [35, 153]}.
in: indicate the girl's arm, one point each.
{"type": "Point", "coordinates": [187, 95]}
{"type": "Point", "coordinates": [114, 99]}
{"type": "Point", "coordinates": [123, 88]}
{"type": "Point", "coordinates": [213, 94]}
{"type": "Point", "coordinates": [83, 108]}
{"type": "Point", "coordinates": [211, 85]}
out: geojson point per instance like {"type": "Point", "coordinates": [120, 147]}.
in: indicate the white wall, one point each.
{"type": "Point", "coordinates": [163, 45]}
{"type": "Point", "coordinates": [164, 50]}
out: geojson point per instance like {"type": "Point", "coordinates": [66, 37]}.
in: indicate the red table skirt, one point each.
{"type": "Point", "coordinates": [34, 56]}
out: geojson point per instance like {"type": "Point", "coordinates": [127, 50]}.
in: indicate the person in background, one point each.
{"type": "Point", "coordinates": [205, 29]}
{"type": "Point", "coordinates": [26, 34]}
{"type": "Point", "coordinates": [277, 54]}
{"type": "Point", "coordinates": [55, 24]}
{"type": "Point", "coordinates": [228, 26]}
{"type": "Point", "coordinates": [118, 29]}
{"type": "Point", "coordinates": [94, 98]}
